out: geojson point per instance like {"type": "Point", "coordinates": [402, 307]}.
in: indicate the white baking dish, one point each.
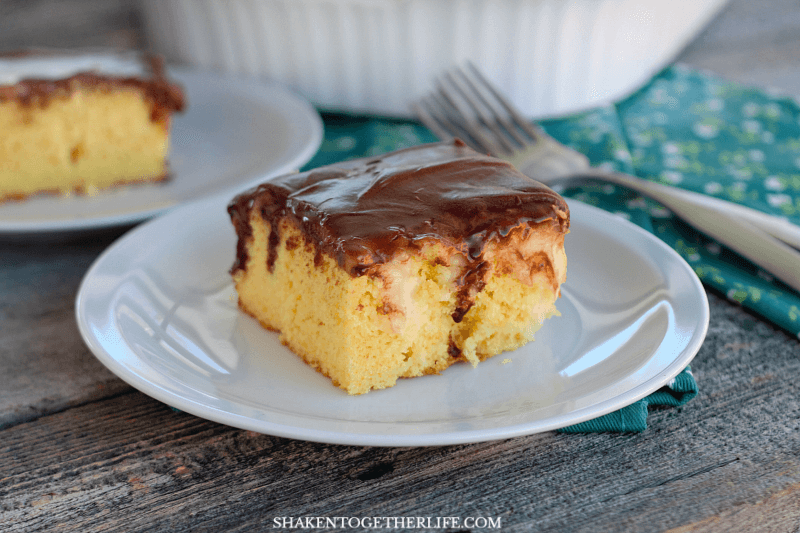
{"type": "Point", "coordinates": [550, 56]}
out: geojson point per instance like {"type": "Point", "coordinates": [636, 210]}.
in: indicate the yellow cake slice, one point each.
{"type": "Point", "coordinates": [400, 265]}
{"type": "Point", "coordinates": [82, 122]}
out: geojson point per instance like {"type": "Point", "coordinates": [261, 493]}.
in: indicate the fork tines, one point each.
{"type": "Point", "coordinates": [466, 105]}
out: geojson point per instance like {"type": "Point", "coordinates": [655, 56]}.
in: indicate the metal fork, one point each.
{"type": "Point", "coordinates": [467, 106]}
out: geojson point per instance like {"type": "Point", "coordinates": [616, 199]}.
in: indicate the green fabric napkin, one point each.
{"type": "Point", "coordinates": [684, 128]}
{"type": "Point", "coordinates": [633, 418]}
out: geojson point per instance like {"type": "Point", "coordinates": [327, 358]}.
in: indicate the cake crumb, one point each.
{"type": "Point", "coordinates": [505, 361]}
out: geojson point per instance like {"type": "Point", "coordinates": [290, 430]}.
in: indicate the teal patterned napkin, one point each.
{"type": "Point", "coordinates": [701, 133]}
{"type": "Point", "coordinates": [633, 418]}
{"type": "Point", "coordinates": [684, 128]}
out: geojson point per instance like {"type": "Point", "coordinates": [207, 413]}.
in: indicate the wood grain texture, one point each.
{"type": "Point", "coordinates": [777, 513]}
{"type": "Point", "coordinates": [135, 464]}
{"type": "Point", "coordinates": [44, 365]}
{"type": "Point", "coordinates": [82, 451]}
{"type": "Point", "coordinates": [756, 43]}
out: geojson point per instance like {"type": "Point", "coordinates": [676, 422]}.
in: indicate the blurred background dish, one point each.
{"type": "Point", "coordinates": [234, 134]}
{"type": "Point", "coordinates": [551, 56]}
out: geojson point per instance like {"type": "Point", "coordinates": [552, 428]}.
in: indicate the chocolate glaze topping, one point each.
{"type": "Point", "coordinates": [164, 96]}
{"type": "Point", "coordinates": [361, 212]}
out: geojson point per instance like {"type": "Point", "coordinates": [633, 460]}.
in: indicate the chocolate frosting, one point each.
{"type": "Point", "coordinates": [361, 212]}
{"type": "Point", "coordinates": [164, 96]}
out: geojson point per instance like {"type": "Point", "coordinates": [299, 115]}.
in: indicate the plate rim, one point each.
{"type": "Point", "coordinates": [310, 117]}
{"type": "Point", "coordinates": [278, 429]}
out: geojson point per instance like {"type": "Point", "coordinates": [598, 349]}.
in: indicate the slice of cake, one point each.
{"type": "Point", "coordinates": [400, 265]}
{"type": "Point", "coordinates": [82, 122]}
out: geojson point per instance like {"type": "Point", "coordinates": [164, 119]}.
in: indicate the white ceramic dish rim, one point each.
{"type": "Point", "coordinates": [278, 424]}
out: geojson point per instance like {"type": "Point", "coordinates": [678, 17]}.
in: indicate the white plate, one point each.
{"type": "Point", "coordinates": [233, 133]}
{"type": "Point", "coordinates": [159, 310]}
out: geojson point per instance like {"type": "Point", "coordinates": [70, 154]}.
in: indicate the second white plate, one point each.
{"type": "Point", "coordinates": [233, 133]}
{"type": "Point", "coordinates": [158, 308]}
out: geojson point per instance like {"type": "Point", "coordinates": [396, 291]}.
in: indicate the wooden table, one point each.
{"type": "Point", "coordinates": [82, 451]}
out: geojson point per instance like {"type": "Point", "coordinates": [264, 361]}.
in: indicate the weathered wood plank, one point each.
{"type": "Point", "coordinates": [44, 365]}
{"type": "Point", "coordinates": [81, 451]}
{"type": "Point", "coordinates": [778, 514]}
{"type": "Point", "coordinates": [757, 43]}
{"type": "Point", "coordinates": [137, 464]}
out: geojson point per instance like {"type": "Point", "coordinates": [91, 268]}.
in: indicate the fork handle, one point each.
{"type": "Point", "coordinates": [751, 242]}
{"type": "Point", "coordinates": [778, 227]}
{"type": "Point", "coordinates": [732, 228]}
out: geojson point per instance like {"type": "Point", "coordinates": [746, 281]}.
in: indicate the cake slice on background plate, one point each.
{"type": "Point", "coordinates": [82, 122]}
